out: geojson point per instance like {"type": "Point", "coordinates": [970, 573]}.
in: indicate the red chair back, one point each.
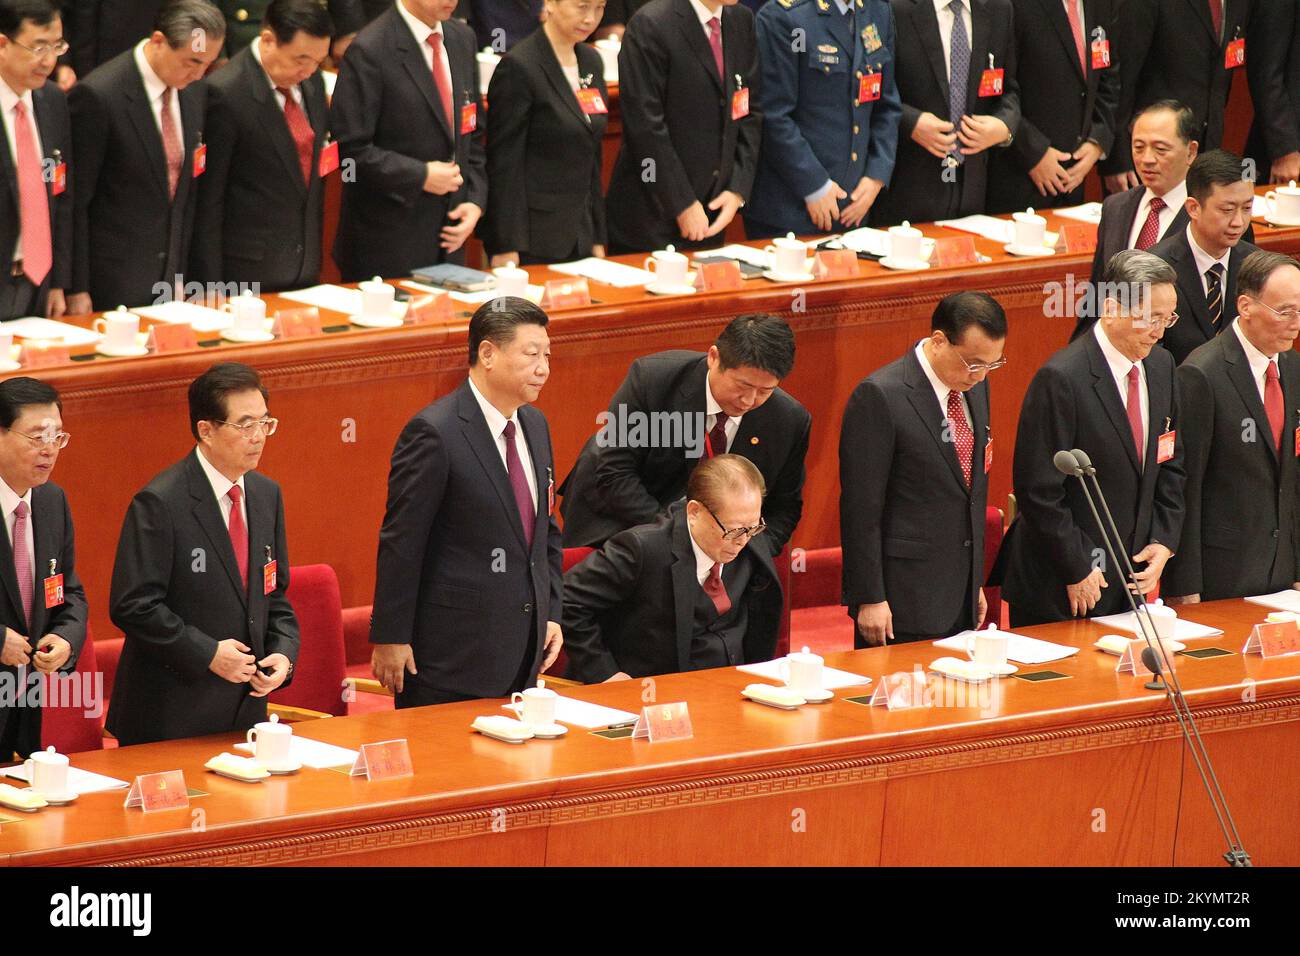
{"type": "Point", "coordinates": [318, 673]}
{"type": "Point", "coordinates": [73, 715]}
{"type": "Point", "coordinates": [993, 531]}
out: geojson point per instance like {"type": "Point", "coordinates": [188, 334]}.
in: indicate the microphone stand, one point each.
{"type": "Point", "coordinates": [1078, 464]}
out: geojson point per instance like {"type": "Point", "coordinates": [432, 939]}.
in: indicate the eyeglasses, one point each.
{"type": "Point", "coordinates": [735, 534]}
{"type": "Point", "coordinates": [982, 367]}
{"type": "Point", "coordinates": [58, 439]}
{"type": "Point", "coordinates": [1290, 315]}
{"type": "Point", "coordinates": [1148, 322]}
{"type": "Point", "coordinates": [42, 50]}
{"type": "Point", "coordinates": [248, 429]}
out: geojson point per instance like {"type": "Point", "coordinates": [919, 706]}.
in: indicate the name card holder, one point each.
{"type": "Point", "coordinates": [718, 276]}
{"type": "Point", "coordinates": [158, 791]}
{"type": "Point", "coordinates": [429, 309]}
{"type": "Point", "coordinates": [835, 264]}
{"type": "Point", "coordinates": [1130, 662]}
{"type": "Point", "coordinates": [902, 691]}
{"type": "Point", "coordinates": [297, 323]}
{"type": "Point", "coordinates": [1077, 237]}
{"type": "Point", "coordinates": [386, 760]}
{"type": "Point", "coordinates": [954, 252]}
{"type": "Point", "coordinates": [40, 353]}
{"type": "Point", "coordinates": [171, 337]}
{"type": "Point", "coordinates": [1273, 640]}
{"type": "Point", "coordinates": [566, 294]}
{"type": "Point", "coordinates": [660, 722]}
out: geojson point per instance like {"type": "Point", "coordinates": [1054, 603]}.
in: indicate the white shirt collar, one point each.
{"type": "Point", "coordinates": [419, 28]}
{"type": "Point", "coordinates": [221, 485]}
{"type": "Point", "coordinates": [1204, 260]}
{"type": "Point", "coordinates": [496, 422]}
{"type": "Point", "coordinates": [1257, 359]}
{"type": "Point", "coordinates": [153, 86]}
{"type": "Point", "coordinates": [941, 6]}
{"type": "Point", "coordinates": [8, 98]}
{"type": "Point", "coordinates": [9, 498]}
{"type": "Point", "coordinates": [703, 13]}
{"type": "Point", "coordinates": [1120, 364]}
{"type": "Point", "coordinates": [940, 389]}
{"type": "Point", "coordinates": [1175, 199]}
{"type": "Point", "coordinates": [703, 563]}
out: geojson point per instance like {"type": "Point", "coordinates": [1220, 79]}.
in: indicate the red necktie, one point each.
{"type": "Point", "coordinates": [304, 137]}
{"type": "Point", "coordinates": [1135, 413]}
{"type": "Point", "coordinates": [171, 143]}
{"type": "Point", "coordinates": [33, 202]}
{"type": "Point", "coordinates": [962, 437]}
{"type": "Point", "coordinates": [717, 444]}
{"type": "Point", "coordinates": [440, 79]}
{"type": "Point", "coordinates": [23, 561]}
{"type": "Point", "coordinates": [238, 533]}
{"type": "Point", "coordinates": [1151, 228]}
{"type": "Point", "coordinates": [1072, 14]}
{"type": "Point", "coordinates": [716, 592]}
{"type": "Point", "coordinates": [1216, 15]}
{"type": "Point", "coordinates": [1273, 406]}
{"type": "Point", "coordinates": [715, 41]}
{"type": "Point", "coordinates": [519, 485]}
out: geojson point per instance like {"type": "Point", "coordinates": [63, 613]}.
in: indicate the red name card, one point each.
{"type": "Point", "coordinates": [953, 252]}
{"type": "Point", "coordinates": [660, 722]}
{"type": "Point", "coordinates": [385, 760]}
{"type": "Point", "coordinates": [173, 337]}
{"type": "Point", "coordinates": [158, 791]}
{"type": "Point", "coordinates": [297, 323]}
{"type": "Point", "coordinates": [429, 309]}
{"type": "Point", "coordinates": [835, 264]}
{"type": "Point", "coordinates": [718, 276]}
{"type": "Point", "coordinates": [1130, 662]}
{"type": "Point", "coordinates": [1273, 640]}
{"type": "Point", "coordinates": [1077, 237]}
{"type": "Point", "coordinates": [901, 691]}
{"type": "Point", "coordinates": [42, 354]}
{"type": "Point", "coordinates": [566, 294]}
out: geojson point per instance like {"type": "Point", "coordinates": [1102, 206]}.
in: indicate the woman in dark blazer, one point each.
{"type": "Point", "coordinates": [547, 109]}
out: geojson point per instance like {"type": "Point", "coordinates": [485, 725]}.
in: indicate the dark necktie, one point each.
{"type": "Point", "coordinates": [714, 589]}
{"type": "Point", "coordinates": [718, 436]}
{"type": "Point", "coordinates": [1214, 294]}
{"type": "Point", "coordinates": [238, 533]}
{"type": "Point", "coordinates": [958, 74]}
{"type": "Point", "coordinates": [1151, 228]}
{"type": "Point", "coordinates": [304, 137]}
{"type": "Point", "coordinates": [519, 485]}
{"type": "Point", "coordinates": [1216, 16]}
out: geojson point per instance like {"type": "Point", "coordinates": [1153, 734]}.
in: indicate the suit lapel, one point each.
{"type": "Point", "coordinates": [921, 395]}
{"type": "Point", "coordinates": [11, 579]}
{"type": "Point", "coordinates": [146, 127]}
{"type": "Point", "coordinates": [927, 30]}
{"type": "Point", "coordinates": [413, 61]}
{"type": "Point", "coordinates": [555, 76]}
{"type": "Point", "coordinates": [1159, 411]}
{"type": "Point", "coordinates": [1108, 394]}
{"type": "Point", "coordinates": [277, 126]}
{"type": "Point", "coordinates": [1243, 381]}
{"type": "Point", "coordinates": [1189, 278]}
{"type": "Point", "coordinates": [261, 541]}
{"type": "Point", "coordinates": [979, 58]}
{"type": "Point", "coordinates": [695, 38]}
{"type": "Point", "coordinates": [532, 436]}
{"type": "Point", "coordinates": [1202, 11]}
{"type": "Point", "coordinates": [11, 172]}
{"type": "Point", "coordinates": [208, 515]}
{"type": "Point", "coordinates": [685, 586]}
{"type": "Point", "coordinates": [483, 444]}
{"type": "Point", "coordinates": [1055, 11]}
{"type": "Point", "coordinates": [43, 124]}
{"type": "Point", "coordinates": [44, 549]}
{"type": "Point", "coordinates": [1126, 210]}
{"type": "Point", "coordinates": [977, 400]}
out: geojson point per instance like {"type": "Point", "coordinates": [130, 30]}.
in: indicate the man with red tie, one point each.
{"type": "Point", "coordinates": [36, 208]}
{"type": "Point", "coordinates": [262, 198]}
{"type": "Point", "coordinates": [200, 577]}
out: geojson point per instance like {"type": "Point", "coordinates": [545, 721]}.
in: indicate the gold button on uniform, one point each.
{"type": "Point", "coordinates": [855, 129]}
{"type": "Point", "coordinates": [241, 14]}
{"type": "Point", "coordinates": [853, 156]}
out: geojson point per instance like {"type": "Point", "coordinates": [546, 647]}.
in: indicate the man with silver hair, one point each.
{"type": "Point", "coordinates": [1114, 395]}
{"type": "Point", "coordinates": [137, 126]}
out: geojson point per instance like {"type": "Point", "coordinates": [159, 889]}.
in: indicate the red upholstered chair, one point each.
{"type": "Point", "coordinates": [993, 531]}
{"type": "Point", "coordinates": [817, 619]}
{"type": "Point", "coordinates": [107, 654]}
{"type": "Point", "coordinates": [572, 556]}
{"type": "Point", "coordinates": [782, 562]}
{"type": "Point", "coordinates": [318, 674]}
{"type": "Point", "coordinates": [78, 726]}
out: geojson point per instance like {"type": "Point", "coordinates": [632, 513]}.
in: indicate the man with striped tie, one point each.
{"type": "Point", "coordinates": [1207, 255]}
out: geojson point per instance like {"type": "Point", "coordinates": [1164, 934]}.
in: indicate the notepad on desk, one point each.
{"type": "Point", "coordinates": [1288, 600]}
{"type": "Point", "coordinates": [584, 714]}
{"type": "Point", "coordinates": [1183, 630]}
{"type": "Point", "coordinates": [335, 298]}
{"type": "Point", "coordinates": [79, 781]}
{"type": "Point", "coordinates": [832, 679]}
{"type": "Point", "coordinates": [602, 270]}
{"type": "Point", "coordinates": [1021, 649]}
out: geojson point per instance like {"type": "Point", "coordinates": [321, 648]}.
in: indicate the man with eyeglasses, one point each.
{"type": "Point", "coordinates": [691, 591]}
{"type": "Point", "coordinates": [1112, 394]}
{"type": "Point", "coordinates": [1242, 390]}
{"type": "Point", "coordinates": [42, 604]}
{"type": "Point", "coordinates": [200, 577]}
{"type": "Point", "coordinates": [915, 452]}
{"type": "Point", "coordinates": [36, 209]}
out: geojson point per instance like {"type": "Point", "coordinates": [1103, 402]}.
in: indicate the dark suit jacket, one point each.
{"type": "Point", "coordinates": [51, 110]}
{"type": "Point", "coordinates": [545, 195]}
{"type": "Point", "coordinates": [677, 112]}
{"type": "Point", "coordinates": [52, 540]}
{"type": "Point", "coordinates": [176, 592]}
{"type": "Point", "coordinates": [614, 486]}
{"type": "Point", "coordinates": [1167, 49]}
{"type": "Point", "coordinates": [388, 117]}
{"type": "Point", "coordinates": [1061, 105]}
{"type": "Point", "coordinates": [916, 192]}
{"type": "Point", "coordinates": [131, 238]}
{"type": "Point", "coordinates": [244, 20]}
{"type": "Point", "coordinates": [516, 19]}
{"type": "Point", "coordinates": [455, 579]}
{"type": "Point", "coordinates": [911, 531]}
{"type": "Point", "coordinates": [1274, 47]}
{"type": "Point", "coordinates": [258, 220]}
{"type": "Point", "coordinates": [1194, 326]}
{"type": "Point", "coordinates": [1073, 402]}
{"type": "Point", "coordinates": [99, 30]}
{"type": "Point", "coordinates": [630, 606]}
{"type": "Point", "coordinates": [1239, 537]}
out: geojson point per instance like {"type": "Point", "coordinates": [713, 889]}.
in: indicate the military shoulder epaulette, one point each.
{"type": "Point", "coordinates": [791, 3]}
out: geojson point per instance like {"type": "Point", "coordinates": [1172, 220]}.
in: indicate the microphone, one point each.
{"type": "Point", "coordinates": [1078, 463]}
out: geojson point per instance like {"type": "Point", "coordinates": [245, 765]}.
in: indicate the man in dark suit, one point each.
{"type": "Point", "coordinates": [961, 102]}
{"type": "Point", "coordinates": [689, 592]}
{"type": "Point", "coordinates": [697, 125]}
{"type": "Point", "coordinates": [36, 205]}
{"type": "Point", "coordinates": [1069, 88]}
{"type": "Point", "coordinates": [500, 24]}
{"type": "Point", "coordinates": [677, 407]}
{"type": "Point", "coordinates": [468, 585]}
{"type": "Point", "coordinates": [1176, 49]}
{"type": "Point", "coordinates": [262, 199]}
{"type": "Point", "coordinates": [405, 110]}
{"type": "Point", "coordinates": [1112, 394]}
{"type": "Point", "coordinates": [244, 19]}
{"type": "Point", "coordinates": [1241, 389]}
{"type": "Point", "coordinates": [137, 124]}
{"type": "Point", "coordinates": [829, 97]}
{"type": "Point", "coordinates": [200, 578]}
{"type": "Point", "coordinates": [1274, 40]}
{"type": "Point", "coordinates": [1207, 255]}
{"type": "Point", "coordinates": [915, 451]}
{"type": "Point", "coordinates": [42, 604]}
{"type": "Point", "coordinates": [101, 29]}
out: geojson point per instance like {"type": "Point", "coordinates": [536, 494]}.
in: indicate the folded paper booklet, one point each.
{"type": "Point", "coordinates": [198, 317]}
{"type": "Point", "coordinates": [1088, 212]}
{"type": "Point", "coordinates": [311, 753]}
{"type": "Point", "coordinates": [1288, 600]}
{"type": "Point", "coordinates": [334, 298]}
{"type": "Point", "coordinates": [1183, 630]}
{"type": "Point", "coordinates": [33, 328]}
{"type": "Point", "coordinates": [1021, 649]}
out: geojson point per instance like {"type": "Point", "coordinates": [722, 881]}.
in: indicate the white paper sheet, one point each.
{"type": "Point", "coordinates": [198, 317]}
{"type": "Point", "coordinates": [876, 242]}
{"type": "Point", "coordinates": [332, 297]}
{"type": "Point", "coordinates": [1288, 600]}
{"type": "Point", "coordinates": [34, 328]}
{"type": "Point", "coordinates": [602, 270]}
{"type": "Point", "coordinates": [580, 713]}
{"type": "Point", "coordinates": [990, 227]}
{"type": "Point", "coordinates": [1088, 212]}
{"type": "Point", "coordinates": [534, 293]}
{"type": "Point", "coordinates": [832, 679]}
{"type": "Point", "coordinates": [1183, 630]}
{"type": "Point", "coordinates": [1021, 649]}
{"type": "Point", "coordinates": [79, 781]}
{"type": "Point", "coordinates": [747, 254]}
{"type": "Point", "coordinates": [311, 753]}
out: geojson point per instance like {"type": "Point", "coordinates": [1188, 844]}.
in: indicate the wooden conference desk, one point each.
{"type": "Point", "coordinates": [343, 399]}
{"type": "Point", "coordinates": [1090, 770]}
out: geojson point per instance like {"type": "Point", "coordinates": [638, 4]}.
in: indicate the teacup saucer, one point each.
{"type": "Point", "coordinates": [818, 696]}
{"type": "Point", "coordinates": [1282, 223]}
{"type": "Point", "coordinates": [656, 289]}
{"type": "Point", "coordinates": [134, 351]}
{"type": "Point", "coordinates": [230, 335]}
{"type": "Point", "coordinates": [234, 776]}
{"type": "Point", "coordinates": [57, 799]}
{"type": "Point", "coordinates": [904, 265]}
{"type": "Point", "coordinates": [285, 770]}
{"type": "Point", "coordinates": [377, 322]}
{"type": "Point", "coordinates": [788, 276]}
{"type": "Point", "coordinates": [10, 366]}
{"type": "Point", "coordinates": [1031, 251]}
{"type": "Point", "coordinates": [1003, 670]}
{"type": "Point", "coordinates": [550, 731]}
